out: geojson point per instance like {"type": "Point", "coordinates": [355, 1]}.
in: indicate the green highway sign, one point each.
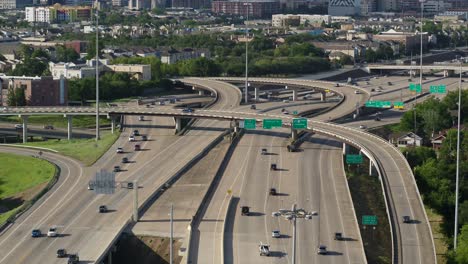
{"type": "Point", "coordinates": [439, 89]}
{"type": "Point", "coordinates": [398, 105]}
{"type": "Point", "coordinates": [295, 112]}
{"type": "Point", "coordinates": [272, 123]}
{"type": "Point", "coordinates": [379, 104]}
{"type": "Point", "coordinates": [353, 159]}
{"type": "Point", "coordinates": [415, 87]}
{"type": "Point", "coordinates": [248, 124]}
{"type": "Point", "coordinates": [369, 220]}
{"type": "Point", "coordinates": [299, 123]}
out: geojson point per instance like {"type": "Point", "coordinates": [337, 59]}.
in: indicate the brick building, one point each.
{"type": "Point", "coordinates": [39, 91]}
{"type": "Point", "coordinates": [255, 8]}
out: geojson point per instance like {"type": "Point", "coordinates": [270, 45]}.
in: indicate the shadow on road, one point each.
{"type": "Point", "coordinates": [228, 231]}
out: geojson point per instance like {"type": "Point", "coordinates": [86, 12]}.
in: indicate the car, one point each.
{"type": "Point", "coordinates": [284, 109]}
{"type": "Point", "coordinates": [357, 92]}
{"type": "Point", "coordinates": [172, 101]}
{"type": "Point", "coordinates": [187, 110]}
{"type": "Point", "coordinates": [338, 236]}
{"type": "Point", "coordinates": [253, 107]}
{"type": "Point", "coordinates": [19, 126]}
{"type": "Point", "coordinates": [289, 217]}
{"type": "Point", "coordinates": [368, 83]}
{"type": "Point", "coordinates": [61, 253]}
{"type": "Point", "coordinates": [275, 234]}
{"type": "Point", "coordinates": [410, 80]}
{"type": "Point", "coordinates": [90, 185]}
{"type": "Point", "coordinates": [48, 127]}
{"type": "Point", "coordinates": [131, 138]}
{"type": "Point", "coordinates": [137, 147]}
{"type": "Point", "coordinates": [372, 90]}
{"type": "Point", "coordinates": [273, 166]}
{"type": "Point", "coordinates": [275, 214]}
{"type": "Point", "coordinates": [116, 168]}
{"type": "Point", "coordinates": [245, 210]}
{"type": "Point", "coordinates": [264, 151]}
{"type": "Point", "coordinates": [406, 219]}
{"type": "Point", "coordinates": [144, 138]}
{"type": "Point", "coordinates": [52, 232]}
{"type": "Point", "coordinates": [120, 150]}
{"type": "Point", "coordinates": [129, 185]}
{"type": "Point", "coordinates": [73, 259]}
{"type": "Point", "coordinates": [285, 101]}
{"type": "Point", "coordinates": [389, 83]}
{"type": "Point", "coordinates": [424, 78]}
{"type": "Point", "coordinates": [322, 250]}
{"type": "Point", "coordinates": [264, 249]}
{"type": "Point", "coordinates": [153, 103]}
{"type": "Point", "coordinates": [103, 209]}
{"type": "Point", "coordinates": [362, 126]}
{"type": "Point", "coordinates": [124, 160]}
{"type": "Point", "coordinates": [308, 216]}
{"type": "Point", "coordinates": [141, 118]}
{"type": "Point", "coordinates": [286, 112]}
{"type": "Point", "coordinates": [148, 106]}
{"type": "Point", "coordinates": [273, 191]}
{"type": "Point", "coordinates": [36, 233]}
{"type": "Point", "coordinates": [161, 103]}
{"type": "Point", "coordinates": [314, 213]}
{"type": "Point", "coordinates": [377, 118]}
{"type": "Point", "coordinates": [4, 108]}
{"type": "Point", "coordinates": [337, 85]}
{"type": "Point", "coordinates": [136, 132]}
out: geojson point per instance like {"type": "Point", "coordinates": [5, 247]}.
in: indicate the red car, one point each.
{"type": "Point", "coordinates": [137, 147]}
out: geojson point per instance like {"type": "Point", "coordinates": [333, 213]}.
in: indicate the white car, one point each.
{"type": "Point", "coordinates": [286, 101]}
{"type": "Point", "coordinates": [362, 126]}
{"type": "Point", "coordinates": [52, 232]}
{"type": "Point", "coordinates": [120, 150]}
{"type": "Point", "coordinates": [141, 118]}
{"type": "Point", "coordinates": [131, 138]}
{"type": "Point", "coordinates": [19, 126]}
{"type": "Point", "coordinates": [275, 234]}
{"type": "Point", "coordinates": [308, 216]}
{"type": "Point", "coordinates": [357, 92]}
{"type": "Point", "coordinates": [314, 213]}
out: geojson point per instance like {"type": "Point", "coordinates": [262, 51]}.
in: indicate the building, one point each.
{"type": "Point", "coordinates": [251, 8]}
{"type": "Point", "coordinates": [433, 7]}
{"type": "Point", "coordinates": [336, 48]}
{"type": "Point", "coordinates": [172, 56]}
{"type": "Point", "coordinates": [282, 20]}
{"type": "Point", "coordinates": [71, 70]}
{"type": "Point", "coordinates": [58, 13]}
{"type": "Point", "coordinates": [409, 39]}
{"type": "Point", "coordinates": [14, 4]}
{"type": "Point", "coordinates": [387, 5]}
{"type": "Point", "coordinates": [39, 91]}
{"type": "Point", "coordinates": [368, 6]}
{"type": "Point", "coordinates": [79, 2]}
{"type": "Point", "coordinates": [189, 4]}
{"type": "Point", "coordinates": [139, 4]}
{"type": "Point", "coordinates": [406, 139]}
{"type": "Point", "coordinates": [344, 7]}
{"type": "Point", "coordinates": [409, 5]}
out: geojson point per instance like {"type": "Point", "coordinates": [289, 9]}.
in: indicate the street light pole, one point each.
{"type": "Point", "coordinates": [97, 73]}
{"type": "Point", "coordinates": [294, 238]}
{"type": "Point", "coordinates": [247, 56]}
{"type": "Point", "coordinates": [172, 234]}
{"type": "Point", "coordinates": [458, 161]}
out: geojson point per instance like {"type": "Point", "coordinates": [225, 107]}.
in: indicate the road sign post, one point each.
{"type": "Point", "coordinates": [299, 123]}
{"type": "Point", "coordinates": [272, 123]}
{"type": "Point", "coordinates": [369, 220]}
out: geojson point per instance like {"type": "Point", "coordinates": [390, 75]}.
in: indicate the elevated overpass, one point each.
{"type": "Point", "coordinates": [448, 69]}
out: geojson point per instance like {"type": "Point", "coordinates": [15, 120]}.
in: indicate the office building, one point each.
{"type": "Point", "coordinates": [58, 13]}
{"type": "Point", "coordinates": [284, 20]}
{"type": "Point", "coordinates": [14, 4]}
{"type": "Point", "coordinates": [344, 7]}
{"type": "Point", "coordinates": [255, 8]}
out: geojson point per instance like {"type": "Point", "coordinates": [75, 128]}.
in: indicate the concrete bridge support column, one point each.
{"type": "Point", "coordinates": [345, 148]}
{"type": "Point", "coordinates": [323, 96]}
{"type": "Point", "coordinates": [201, 92]}
{"type": "Point", "coordinates": [113, 120]}
{"type": "Point", "coordinates": [69, 126]}
{"type": "Point", "coordinates": [371, 165]}
{"type": "Point", "coordinates": [236, 127]}
{"type": "Point", "coordinates": [294, 95]}
{"type": "Point", "coordinates": [256, 94]}
{"type": "Point", "coordinates": [293, 134]}
{"type": "Point", "coordinates": [25, 128]}
{"type": "Point", "coordinates": [109, 258]}
{"type": "Point", "coordinates": [178, 124]}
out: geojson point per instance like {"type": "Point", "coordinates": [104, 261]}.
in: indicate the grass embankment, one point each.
{"type": "Point", "coordinates": [85, 150]}
{"type": "Point", "coordinates": [58, 121]}
{"type": "Point", "coordinates": [440, 239]}
{"type": "Point", "coordinates": [368, 199]}
{"type": "Point", "coordinates": [21, 178]}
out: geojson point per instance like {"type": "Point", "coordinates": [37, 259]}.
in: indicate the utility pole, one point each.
{"type": "Point", "coordinates": [97, 71]}
{"type": "Point", "coordinates": [172, 235]}
{"type": "Point", "coordinates": [457, 176]}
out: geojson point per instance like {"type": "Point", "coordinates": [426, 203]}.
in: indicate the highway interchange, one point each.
{"type": "Point", "coordinates": [313, 179]}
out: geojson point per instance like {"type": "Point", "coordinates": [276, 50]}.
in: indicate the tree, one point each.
{"type": "Point", "coordinates": [92, 48]}
{"type": "Point", "coordinates": [65, 54]}
{"type": "Point", "coordinates": [462, 249]}
{"type": "Point", "coordinates": [16, 97]}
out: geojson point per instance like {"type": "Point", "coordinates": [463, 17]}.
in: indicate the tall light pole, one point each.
{"type": "Point", "coordinates": [97, 71]}
{"type": "Point", "coordinates": [247, 55]}
{"type": "Point", "coordinates": [172, 235]}
{"type": "Point", "coordinates": [455, 234]}
{"type": "Point", "coordinates": [420, 67]}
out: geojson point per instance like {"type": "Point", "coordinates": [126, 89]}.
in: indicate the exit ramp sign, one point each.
{"type": "Point", "coordinates": [438, 89]}
{"type": "Point", "coordinates": [272, 123]}
{"type": "Point", "coordinates": [415, 87]}
{"type": "Point", "coordinates": [353, 159]}
{"type": "Point", "coordinates": [299, 123]}
{"type": "Point", "coordinates": [248, 124]}
{"type": "Point", "coordinates": [369, 220]}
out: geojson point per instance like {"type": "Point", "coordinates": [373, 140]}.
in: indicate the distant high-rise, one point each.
{"type": "Point", "coordinates": [387, 5]}
{"type": "Point", "coordinates": [13, 4]}
{"type": "Point", "coordinates": [344, 7]}
{"type": "Point", "coordinates": [189, 3]}
{"type": "Point", "coordinates": [368, 6]}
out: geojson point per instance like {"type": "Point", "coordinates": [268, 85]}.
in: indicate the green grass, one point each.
{"type": "Point", "coordinates": [85, 150]}
{"type": "Point", "coordinates": [20, 173]}
{"type": "Point", "coordinates": [440, 239]}
{"type": "Point", "coordinates": [58, 121]}
{"type": "Point", "coordinates": [6, 215]}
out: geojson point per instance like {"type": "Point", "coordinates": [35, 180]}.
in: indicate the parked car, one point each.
{"type": "Point", "coordinates": [129, 185]}
{"type": "Point", "coordinates": [90, 185]}
{"type": "Point", "coordinates": [103, 209]}
{"type": "Point", "coordinates": [264, 151]}
{"type": "Point", "coordinates": [187, 110]}
{"type": "Point", "coordinates": [52, 232]}
{"type": "Point", "coordinates": [61, 253]}
{"type": "Point", "coordinates": [273, 166]}
{"type": "Point", "coordinates": [357, 92]}
{"type": "Point", "coordinates": [36, 233]}
{"type": "Point", "coordinates": [48, 127]}
{"type": "Point", "coordinates": [362, 126]}
{"type": "Point", "coordinates": [161, 103]}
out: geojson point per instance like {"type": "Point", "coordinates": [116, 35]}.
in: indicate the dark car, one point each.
{"type": "Point", "coordinates": [136, 132]}
{"type": "Point", "coordinates": [48, 127]}
{"type": "Point", "coordinates": [273, 191]}
{"type": "Point", "coordinates": [73, 259]}
{"type": "Point", "coordinates": [187, 110]}
{"type": "Point", "coordinates": [322, 250]}
{"type": "Point", "coordinates": [377, 118]}
{"type": "Point", "coordinates": [273, 166]}
{"type": "Point", "coordinates": [338, 236]}
{"type": "Point", "coordinates": [406, 219]}
{"type": "Point", "coordinates": [137, 147]}
{"type": "Point", "coordinates": [102, 209]}
{"type": "Point", "coordinates": [130, 185]}
{"type": "Point", "coordinates": [153, 103]}
{"type": "Point", "coordinates": [253, 107]}
{"type": "Point", "coordinates": [116, 168]}
{"type": "Point", "coordinates": [389, 83]}
{"type": "Point", "coordinates": [144, 138]}
{"type": "Point", "coordinates": [245, 210]}
{"type": "Point", "coordinates": [61, 253]}
{"type": "Point", "coordinates": [124, 160]}
{"type": "Point", "coordinates": [36, 233]}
